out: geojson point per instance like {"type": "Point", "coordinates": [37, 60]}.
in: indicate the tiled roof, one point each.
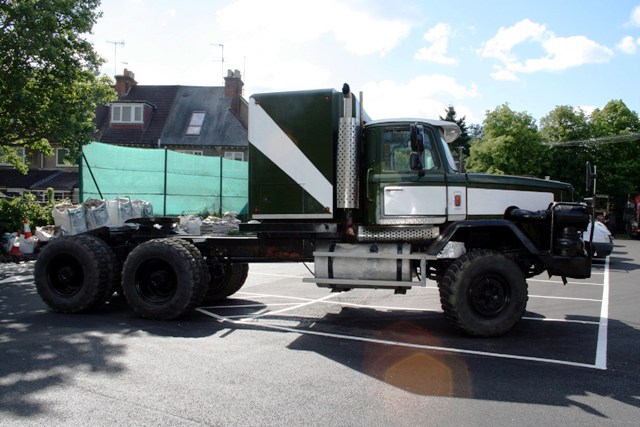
{"type": "Point", "coordinates": [170, 118]}
{"type": "Point", "coordinates": [162, 97]}
{"type": "Point", "coordinates": [220, 127]}
{"type": "Point", "coordinates": [38, 179]}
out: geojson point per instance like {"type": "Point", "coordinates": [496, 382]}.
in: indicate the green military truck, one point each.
{"type": "Point", "coordinates": [373, 204]}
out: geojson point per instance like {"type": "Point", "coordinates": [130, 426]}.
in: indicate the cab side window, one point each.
{"type": "Point", "coordinates": [396, 151]}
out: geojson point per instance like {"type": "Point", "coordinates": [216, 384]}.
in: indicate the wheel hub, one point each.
{"type": "Point", "coordinates": [489, 296]}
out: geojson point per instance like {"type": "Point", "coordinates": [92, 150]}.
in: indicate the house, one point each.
{"type": "Point", "coordinates": [200, 120]}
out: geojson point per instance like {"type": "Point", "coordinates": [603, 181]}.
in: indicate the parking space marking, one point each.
{"type": "Point", "coordinates": [560, 283]}
{"type": "Point", "coordinates": [16, 279]}
{"type": "Point", "coordinates": [565, 298]}
{"type": "Point", "coordinates": [548, 319]}
{"type": "Point", "coordinates": [255, 319]}
{"type": "Point", "coordinates": [601, 348]}
{"type": "Point", "coordinates": [244, 322]}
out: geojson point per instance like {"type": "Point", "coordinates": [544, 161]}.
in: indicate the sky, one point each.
{"type": "Point", "coordinates": [410, 58]}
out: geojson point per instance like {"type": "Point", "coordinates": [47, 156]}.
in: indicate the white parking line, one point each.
{"type": "Point", "coordinates": [601, 349]}
{"type": "Point", "coordinates": [260, 319]}
{"type": "Point", "coordinates": [224, 319]}
{"type": "Point", "coordinates": [565, 298]}
{"type": "Point", "coordinates": [560, 282]}
{"type": "Point", "coordinates": [16, 279]}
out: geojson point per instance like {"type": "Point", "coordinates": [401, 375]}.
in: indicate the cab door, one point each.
{"type": "Point", "coordinates": [411, 186]}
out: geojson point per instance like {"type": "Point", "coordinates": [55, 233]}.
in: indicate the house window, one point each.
{"type": "Point", "coordinates": [19, 151]}
{"type": "Point", "coordinates": [61, 153]}
{"type": "Point", "coordinates": [192, 152]}
{"type": "Point", "coordinates": [126, 113]}
{"type": "Point", "coordinates": [234, 155]}
{"type": "Point", "coordinates": [195, 124]}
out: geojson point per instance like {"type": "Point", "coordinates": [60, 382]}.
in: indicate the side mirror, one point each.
{"type": "Point", "coordinates": [417, 138]}
{"type": "Point", "coordinates": [415, 163]}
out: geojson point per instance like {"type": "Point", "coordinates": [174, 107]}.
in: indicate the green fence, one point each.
{"type": "Point", "coordinates": [174, 183]}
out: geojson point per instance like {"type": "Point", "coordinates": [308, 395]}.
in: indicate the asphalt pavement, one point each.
{"type": "Point", "coordinates": [283, 352]}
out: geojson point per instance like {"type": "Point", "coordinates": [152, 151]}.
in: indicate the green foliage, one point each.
{"type": "Point", "coordinates": [614, 119]}
{"type": "Point", "coordinates": [464, 138]}
{"type": "Point", "coordinates": [567, 163]}
{"type": "Point", "coordinates": [14, 211]}
{"type": "Point", "coordinates": [49, 76]}
{"type": "Point", "coordinates": [565, 123]}
{"type": "Point", "coordinates": [511, 144]}
{"type": "Point", "coordinates": [618, 165]}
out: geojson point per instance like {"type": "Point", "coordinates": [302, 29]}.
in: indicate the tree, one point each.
{"type": "Point", "coordinates": [615, 119]}
{"type": "Point", "coordinates": [616, 160]}
{"type": "Point", "coordinates": [565, 123]}
{"type": "Point", "coordinates": [464, 138]}
{"type": "Point", "coordinates": [510, 145]}
{"type": "Point", "coordinates": [49, 80]}
{"type": "Point", "coordinates": [618, 166]}
{"type": "Point", "coordinates": [567, 163]}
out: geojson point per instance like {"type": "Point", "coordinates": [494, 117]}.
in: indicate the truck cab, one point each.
{"type": "Point", "coordinates": [411, 180]}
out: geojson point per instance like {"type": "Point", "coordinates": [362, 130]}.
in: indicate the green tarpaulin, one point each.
{"type": "Point", "coordinates": [174, 183]}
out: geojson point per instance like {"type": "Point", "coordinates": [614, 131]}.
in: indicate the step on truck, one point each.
{"type": "Point", "coordinates": [376, 204]}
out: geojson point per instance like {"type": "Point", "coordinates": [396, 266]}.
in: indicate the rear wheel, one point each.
{"type": "Point", "coordinates": [483, 293]}
{"type": "Point", "coordinates": [226, 280]}
{"type": "Point", "coordinates": [73, 274]}
{"type": "Point", "coordinates": [163, 279]}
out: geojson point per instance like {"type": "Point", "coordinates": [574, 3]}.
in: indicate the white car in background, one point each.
{"type": "Point", "coordinates": [602, 244]}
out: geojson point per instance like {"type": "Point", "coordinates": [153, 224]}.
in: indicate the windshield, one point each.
{"type": "Point", "coordinates": [449, 156]}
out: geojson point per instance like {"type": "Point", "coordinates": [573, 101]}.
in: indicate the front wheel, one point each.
{"type": "Point", "coordinates": [483, 293]}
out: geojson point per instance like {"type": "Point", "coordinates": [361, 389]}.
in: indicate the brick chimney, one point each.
{"type": "Point", "coordinates": [233, 89]}
{"type": "Point", "coordinates": [125, 82]}
{"type": "Point", "coordinates": [233, 84]}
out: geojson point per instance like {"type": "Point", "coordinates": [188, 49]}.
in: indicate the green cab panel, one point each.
{"type": "Point", "coordinates": [292, 139]}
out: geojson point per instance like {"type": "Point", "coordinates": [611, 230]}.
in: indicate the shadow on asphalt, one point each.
{"type": "Point", "coordinates": [39, 348]}
{"type": "Point", "coordinates": [424, 371]}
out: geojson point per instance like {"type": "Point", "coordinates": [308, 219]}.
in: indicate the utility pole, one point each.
{"type": "Point", "coordinates": [115, 54]}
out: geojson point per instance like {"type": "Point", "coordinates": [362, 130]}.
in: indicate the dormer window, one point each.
{"type": "Point", "coordinates": [127, 113]}
{"type": "Point", "coordinates": [19, 152]}
{"type": "Point", "coordinates": [195, 124]}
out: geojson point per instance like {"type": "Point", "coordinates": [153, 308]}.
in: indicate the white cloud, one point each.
{"type": "Point", "coordinates": [423, 96]}
{"type": "Point", "coordinates": [262, 30]}
{"type": "Point", "coordinates": [506, 39]}
{"type": "Point", "coordinates": [628, 45]}
{"type": "Point", "coordinates": [561, 53]}
{"type": "Point", "coordinates": [285, 74]}
{"type": "Point", "coordinates": [634, 19]}
{"type": "Point", "coordinates": [588, 109]}
{"type": "Point", "coordinates": [438, 36]}
{"type": "Point", "coordinates": [502, 74]}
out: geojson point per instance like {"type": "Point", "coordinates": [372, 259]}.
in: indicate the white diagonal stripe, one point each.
{"type": "Point", "coordinates": [266, 136]}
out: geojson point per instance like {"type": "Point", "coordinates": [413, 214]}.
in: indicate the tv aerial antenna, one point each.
{"type": "Point", "coordinates": [221, 59]}
{"type": "Point", "coordinates": [115, 54]}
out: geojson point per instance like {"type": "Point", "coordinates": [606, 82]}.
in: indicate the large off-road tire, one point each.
{"type": "Point", "coordinates": [203, 269]}
{"type": "Point", "coordinates": [75, 273]}
{"type": "Point", "coordinates": [483, 293]}
{"type": "Point", "coordinates": [226, 280]}
{"type": "Point", "coordinates": [163, 279]}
